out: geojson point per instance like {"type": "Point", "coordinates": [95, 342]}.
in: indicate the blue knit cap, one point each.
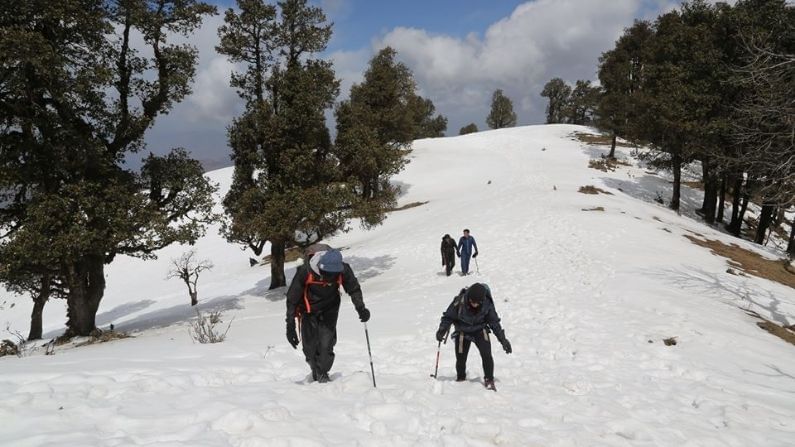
{"type": "Point", "coordinates": [331, 261]}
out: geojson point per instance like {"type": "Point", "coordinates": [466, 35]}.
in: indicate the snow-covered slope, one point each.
{"type": "Point", "coordinates": [586, 298]}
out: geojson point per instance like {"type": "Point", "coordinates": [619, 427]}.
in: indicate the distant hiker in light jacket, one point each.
{"type": "Point", "coordinates": [473, 314]}
{"type": "Point", "coordinates": [466, 244]}
{"type": "Point", "coordinates": [314, 300]}
{"type": "Point", "coordinates": [449, 252]}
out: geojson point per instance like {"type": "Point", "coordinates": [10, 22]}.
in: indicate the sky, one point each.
{"type": "Point", "coordinates": [460, 51]}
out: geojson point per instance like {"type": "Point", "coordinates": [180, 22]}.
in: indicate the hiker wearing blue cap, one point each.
{"type": "Point", "coordinates": [313, 299]}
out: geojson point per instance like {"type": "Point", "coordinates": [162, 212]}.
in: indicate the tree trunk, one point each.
{"type": "Point", "coordinates": [38, 309]}
{"type": "Point", "coordinates": [676, 162]}
{"type": "Point", "coordinates": [86, 283]}
{"type": "Point", "coordinates": [277, 264]}
{"type": "Point", "coordinates": [765, 218]}
{"type": "Point", "coordinates": [710, 190]}
{"type": "Point", "coordinates": [612, 153]}
{"type": "Point", "coordinates": [743, 208]}
{"type": "Point", "coordinates": [721, 198]}
{"type": "Point", "coordinates": [194, 297]}
{"type": "Point", "coordinates": [736, 223]}
{"type": "Point", "coordinates": [791, 245]}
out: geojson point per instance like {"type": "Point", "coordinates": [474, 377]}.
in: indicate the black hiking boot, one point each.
{"type": "Point", "coordinates": [460, 379]}
{"type": "Point", "coordinates": [323, 378]}
{"type": "Point", "coordinates": [489, 384]}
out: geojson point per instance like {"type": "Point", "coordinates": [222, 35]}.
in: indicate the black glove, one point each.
{"type": "Point", "coordinates": [364, 314]}
{"type": "Point", "coordinates": [440, 334]}
{"type": "Point", "coordinates": [475, 255]}
{"type": "Point", "coordinates": [506, 346]}
{"type": "Point", "coordinates": [292, 337]}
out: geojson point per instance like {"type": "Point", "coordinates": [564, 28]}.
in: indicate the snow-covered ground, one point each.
{"type": "Point", "coordinates": [586, 298]}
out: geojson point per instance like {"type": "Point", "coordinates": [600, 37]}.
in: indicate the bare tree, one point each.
{"type": "Point", "coordinates": [187, 268]}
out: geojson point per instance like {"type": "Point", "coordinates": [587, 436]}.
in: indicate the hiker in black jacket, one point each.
{"type": "Point", "coordinates": [473, 314]}
{"type": "Point", "coordinates": [449, 252]}
{"type": "Point", "coordinates": [314, 300]}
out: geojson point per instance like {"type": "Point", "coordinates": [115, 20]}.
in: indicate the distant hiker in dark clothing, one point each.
{"type": "Point", "coordinates": [314, 300]}
{"type": "Point", "coordinates": [473, 314]}
{"type": "Point", "coordinates": [449, 252]}
{"type": "Point", "coordinates": [466, 244]}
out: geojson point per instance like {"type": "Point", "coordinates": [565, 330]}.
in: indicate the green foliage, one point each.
{"type": "Point", "coordinates": [287, 185]}
{"type": "Point", "coordinates": [621, 76]}
{"type": "Point", "coordinates": [374, 130]}
{"type": "Point", "coordinates": [469, 128]}
{"type": "Point", "coordinates": [77, 99]}
{"type": "Point", "coordinates": [501, 114]}
{"type": "Point", "coordinates": [425, 124]}
{"type": "Point", "coordinates": [582, 103]}
{"type": "Point", "coordinates": [558, 93]}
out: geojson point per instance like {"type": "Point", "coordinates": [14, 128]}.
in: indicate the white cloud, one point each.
{"type": "Point", "coordinates": [520, 53]}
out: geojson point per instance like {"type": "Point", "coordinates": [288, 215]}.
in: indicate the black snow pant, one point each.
{"type": "Point", "coordinates": [449, 263]}
{"type": "Point", "coordinates": [462, 343]}
{"type": "Point", "coordinates": [318, 337]}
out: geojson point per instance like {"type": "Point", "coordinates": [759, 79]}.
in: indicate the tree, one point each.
{"type": "Point", "coordinates": [188, 268]}
{"type": "Point", "coordinates": [287, 187]}
{"type": "Point", "coordinates": [469, 128]}
{"type": "Point", "coordinates": [77, 98]}
{"type": "Point", "coordinates": [501, 114]}
{"type": "Point", "coordinates": [375, 128]}
{"type": "Point", "coordinates": [425, 124]}
{"type": "Point", "coordinates": [621, 76]}
{"type": "Point", "coordinates": [582, 103]}
{"type": "Point", "coordinates": [558, 93]}
{"type": "Point", "coordinates": [761, 47]}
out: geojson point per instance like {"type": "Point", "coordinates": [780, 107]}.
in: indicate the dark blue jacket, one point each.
{"type": "Point", "coordinates": [465, 245]}
{"type": "Point", "coordinates": [469, 320]}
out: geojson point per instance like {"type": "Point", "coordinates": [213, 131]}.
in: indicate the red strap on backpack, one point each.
{"type": "Point", "coordinates": [310, 280]}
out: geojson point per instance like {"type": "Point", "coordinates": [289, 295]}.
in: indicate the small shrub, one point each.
{"type": "Point", "coordinates": [204, 330]}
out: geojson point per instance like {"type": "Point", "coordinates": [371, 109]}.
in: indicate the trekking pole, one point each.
{"type": "Point", "coordinates": [477, 267]}
{"type": "Point", "coordinates": [438, 350]}
{"type": "Point", "coordinates": [367, 336]}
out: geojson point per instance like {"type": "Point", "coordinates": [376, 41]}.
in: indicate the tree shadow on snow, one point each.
{"type": "Point", "coordinates": [649, 187]}
{"type": "Point", "coordinates": [180, 313]}
{"type": "Point", "coordinates": [745, 296]}
{"type": "Point", "coordinates": [366, 268]}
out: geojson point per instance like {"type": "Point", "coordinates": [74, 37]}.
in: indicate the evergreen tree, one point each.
{"type": "Point", "coordinates": [426, 125]}
{"type": "Point", "coordinates": [375, 127]}
{"type": "Point", "coordinates": [582, 103]}
{"type": "Point", "coordinates": [286, 185]}
{"type": "Point", "coordinates": [558, 93]}
{"type": "Point", "coordinates": [469, 128]}
{"type": "Point", "coordinates": [501, 114]}
{"type": "Point", "coordinates": [77, 98]}
{"type": "Point", "coordinates": [621, 76]}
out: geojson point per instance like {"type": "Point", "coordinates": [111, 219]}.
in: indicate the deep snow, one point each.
{"type": "Point", "coordinates": [586, 299]}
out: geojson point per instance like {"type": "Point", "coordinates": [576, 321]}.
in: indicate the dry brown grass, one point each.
{"type": "Point", "coordinates": [785, 333]}
{"type": "Point", "coordinates": [290, 255]}
{"type": "Point", "coordinates": [591, 189]}
{"type": "Point", "coordinates": [748, 261]}
{"type": "Point", "coordinates": [693, 184]}
{"type": "Point", "coordinates": [598, 208]}
{"type": "Point", "coordinates": [409, 205]}
{"type": "Point", "coordinates": [606, 164]}
{"type": "Point", "coordinates": [103, 337]}
{"type": "Point", "coordinates": [598, 140]}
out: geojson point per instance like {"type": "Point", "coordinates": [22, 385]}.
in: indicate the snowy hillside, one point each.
{"type": "Point", "coordinates": [586, 299]}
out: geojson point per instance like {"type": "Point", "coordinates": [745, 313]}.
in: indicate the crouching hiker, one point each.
{"type": "Point", "coordinates": [473, 314]}
{"type": "Point", "coordinates": [314, 300]}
